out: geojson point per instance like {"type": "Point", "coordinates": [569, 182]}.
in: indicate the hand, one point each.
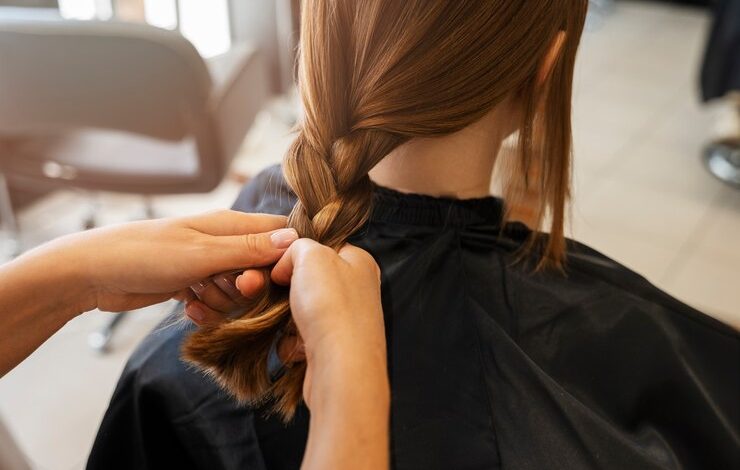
{"type": "Point", "coordinates": [334, 297]}
{"type": "Point", "coordinates": [215, 298]}
{"type": "Point", "coordinates": [335, 303]}
{"type": "Point", "coordinates": [143, 263]}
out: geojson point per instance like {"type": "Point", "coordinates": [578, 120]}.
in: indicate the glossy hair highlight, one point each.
{"type": "Point", "coordinates": [372, 75]}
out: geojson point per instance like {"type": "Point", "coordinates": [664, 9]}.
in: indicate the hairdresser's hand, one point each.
{"type": "Point", "coordinates": [335, 302]}
{"type": "Point", "coordinates": [142, 263]}
{"type": "Point", "coordinates": [212, 299]}
{"type": "Point", "coordinates": [123, 268]}
{"type": "Point", "coordinates": [325, 285]}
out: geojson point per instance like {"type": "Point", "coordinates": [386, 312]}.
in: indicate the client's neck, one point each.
{"type": "Point", "coordinates": [458, 165]}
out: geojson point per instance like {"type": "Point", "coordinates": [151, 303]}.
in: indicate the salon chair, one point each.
{"type": "Point", "coordinates": [122, 107]}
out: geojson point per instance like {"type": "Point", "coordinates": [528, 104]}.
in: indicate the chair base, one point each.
{"type": "Point", "coordinates": [722, 159]}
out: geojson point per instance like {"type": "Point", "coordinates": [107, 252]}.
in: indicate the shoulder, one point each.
{"type": "Point", "coordinates": [267, 193]}
{"type": "Point", "coordinates": [599, 289]}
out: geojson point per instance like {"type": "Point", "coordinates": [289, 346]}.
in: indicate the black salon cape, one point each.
{"type": "Point", "coordinates": [491, 366]}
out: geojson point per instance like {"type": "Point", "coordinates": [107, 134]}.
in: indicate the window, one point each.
{"type": "Point", "coordinates": [86, 9]}
{"type": "Point", "coordinates": [204, 22]}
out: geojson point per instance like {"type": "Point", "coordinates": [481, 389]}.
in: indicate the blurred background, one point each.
{"type": "Point", "coordinates": [117, 110]}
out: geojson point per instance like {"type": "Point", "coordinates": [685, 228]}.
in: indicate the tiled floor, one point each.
{"type": "Point", "coordinates": [641, 196]}
{"type": "Point", "coordinates": [641, 193]}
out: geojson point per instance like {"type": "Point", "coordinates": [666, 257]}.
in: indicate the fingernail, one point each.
{"type": "Point", "coordinates": [225, 283]}
{"type": "Point", "coordinates": [200, 287]}
{"type": "Point", "coordinates": [283, 238]}
{"type": "Point", "coordinates": [195, 312]}
{"type": "Point", "coordinates": [237, 281]}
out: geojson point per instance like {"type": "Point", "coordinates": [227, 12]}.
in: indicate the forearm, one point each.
{"type": "Point", "coordinates": [39, 293]}
{"type": "Point", "coordinates": [349, 418]}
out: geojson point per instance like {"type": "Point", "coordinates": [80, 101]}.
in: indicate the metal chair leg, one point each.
{"type": "Point", "coordinates": [149, 212]}
{"type": "Point", "coordinates": [100, 340]}
{"type": "Point", "coordinates": [9, 220]}
{"type": "Point", "coordinates": [722, 159]}
{"type": "Point", "coordinates": [92, 200]}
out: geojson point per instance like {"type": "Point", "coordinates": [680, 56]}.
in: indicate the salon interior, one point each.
{"type": "Point", "coordinates": [119, 110]}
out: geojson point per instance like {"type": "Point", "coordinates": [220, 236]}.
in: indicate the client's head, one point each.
{"type": "Point", "coordinates": [374, 74]}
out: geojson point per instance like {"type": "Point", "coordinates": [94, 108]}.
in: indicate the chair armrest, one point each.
{"type": "Point", "coordinates": [241, 90]}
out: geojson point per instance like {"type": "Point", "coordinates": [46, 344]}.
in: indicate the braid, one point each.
{"type": "Point", "coordinates": [334, 200]}
{"type": "Point", "coordinates": [373, 74]}
{"type": "Point", "coordinates": [333, 187]}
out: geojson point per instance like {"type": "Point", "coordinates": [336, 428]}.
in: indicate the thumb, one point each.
{"type": "Point", "coordinates": [252, 249]}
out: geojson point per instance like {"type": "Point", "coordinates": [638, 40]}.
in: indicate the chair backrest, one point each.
{"type": "Point", "coordinates": [60, 75]}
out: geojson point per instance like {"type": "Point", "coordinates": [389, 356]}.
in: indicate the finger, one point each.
{"type": "Point", "coordinates": [201, 314]}
{"type": "Point", "coordinates": [211, 295]}
{"type": "Point", "coordinates": [355, 255]}
{"type": "Point", "coordinates": [250, 282]}
{"type": "Point", "coordinates": [250, 250]}
{"type": "Point", "coordinates": [226, 222]}
{"type": "Point", "coordinates": [283, 270]}
{"type": "Point", "coordinates": [184, 295]}
{"type": "Point", "coordinates": [359, 258]}
{"type": "Point", "coordinates": [227, 283]}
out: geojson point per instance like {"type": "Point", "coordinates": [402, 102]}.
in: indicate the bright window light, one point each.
{"type": "Point", "coordinates": [161, 13]}
{"type": "Point", "coordinates": [86, 9]}
{"type": "Point", "coordinates": [204, 22]}
{"type": "Point", "coordinates": [206, 25]}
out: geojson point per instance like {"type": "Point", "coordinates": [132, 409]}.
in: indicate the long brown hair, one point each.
{"type": "Point", "coordinates": [372, 75]}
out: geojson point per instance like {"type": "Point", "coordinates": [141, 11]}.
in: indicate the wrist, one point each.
{"type": "Point", "coordinates": [64, 270]}
{"type": "Point", "coordinates": [350, 413]}
{"type": "Point", "coordinates": [349, 371]}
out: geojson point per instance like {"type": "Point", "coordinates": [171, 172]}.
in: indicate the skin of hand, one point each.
{"type": "Point", "coordinates": [211, 299]}
{"type": "Point", "coordinates": [147, 262]}
{"type": "Point", "coordinates": [335, 303]}
{"type": "Point", "coordinates": [125, 267]}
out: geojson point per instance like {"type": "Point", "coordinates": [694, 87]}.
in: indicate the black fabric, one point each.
{"type": "Point", "coordinates": [720, 72]}
{"type": "Point", "coordinates": [491, 365]}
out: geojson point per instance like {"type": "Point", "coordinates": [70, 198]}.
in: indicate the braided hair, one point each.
{"type": "Point", "coordinates": [373, 74]}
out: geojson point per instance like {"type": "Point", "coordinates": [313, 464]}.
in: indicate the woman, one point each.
{"type": "Point", "coordinates": [507, 348]}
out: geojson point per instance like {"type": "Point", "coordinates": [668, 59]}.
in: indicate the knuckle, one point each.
{"type": "Point", "coordinates": [300, 248]}
{"type": "Point", "coordinates": [368, 263]}
{"type": "Point", "coordinates": [319, 255]}
{"type": "Point", "coordinates": [376, 270]}
{"type": "Point", "coordinates": [302, 244]}
{"type": "Point", "coordinates": [325, 251]}
{"type": "Point", "coordinates": [253, 243]}
{"type": "Point", "coordinates": [312, 248]}
{"type": "Point", "coordinates": [366, 258]}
